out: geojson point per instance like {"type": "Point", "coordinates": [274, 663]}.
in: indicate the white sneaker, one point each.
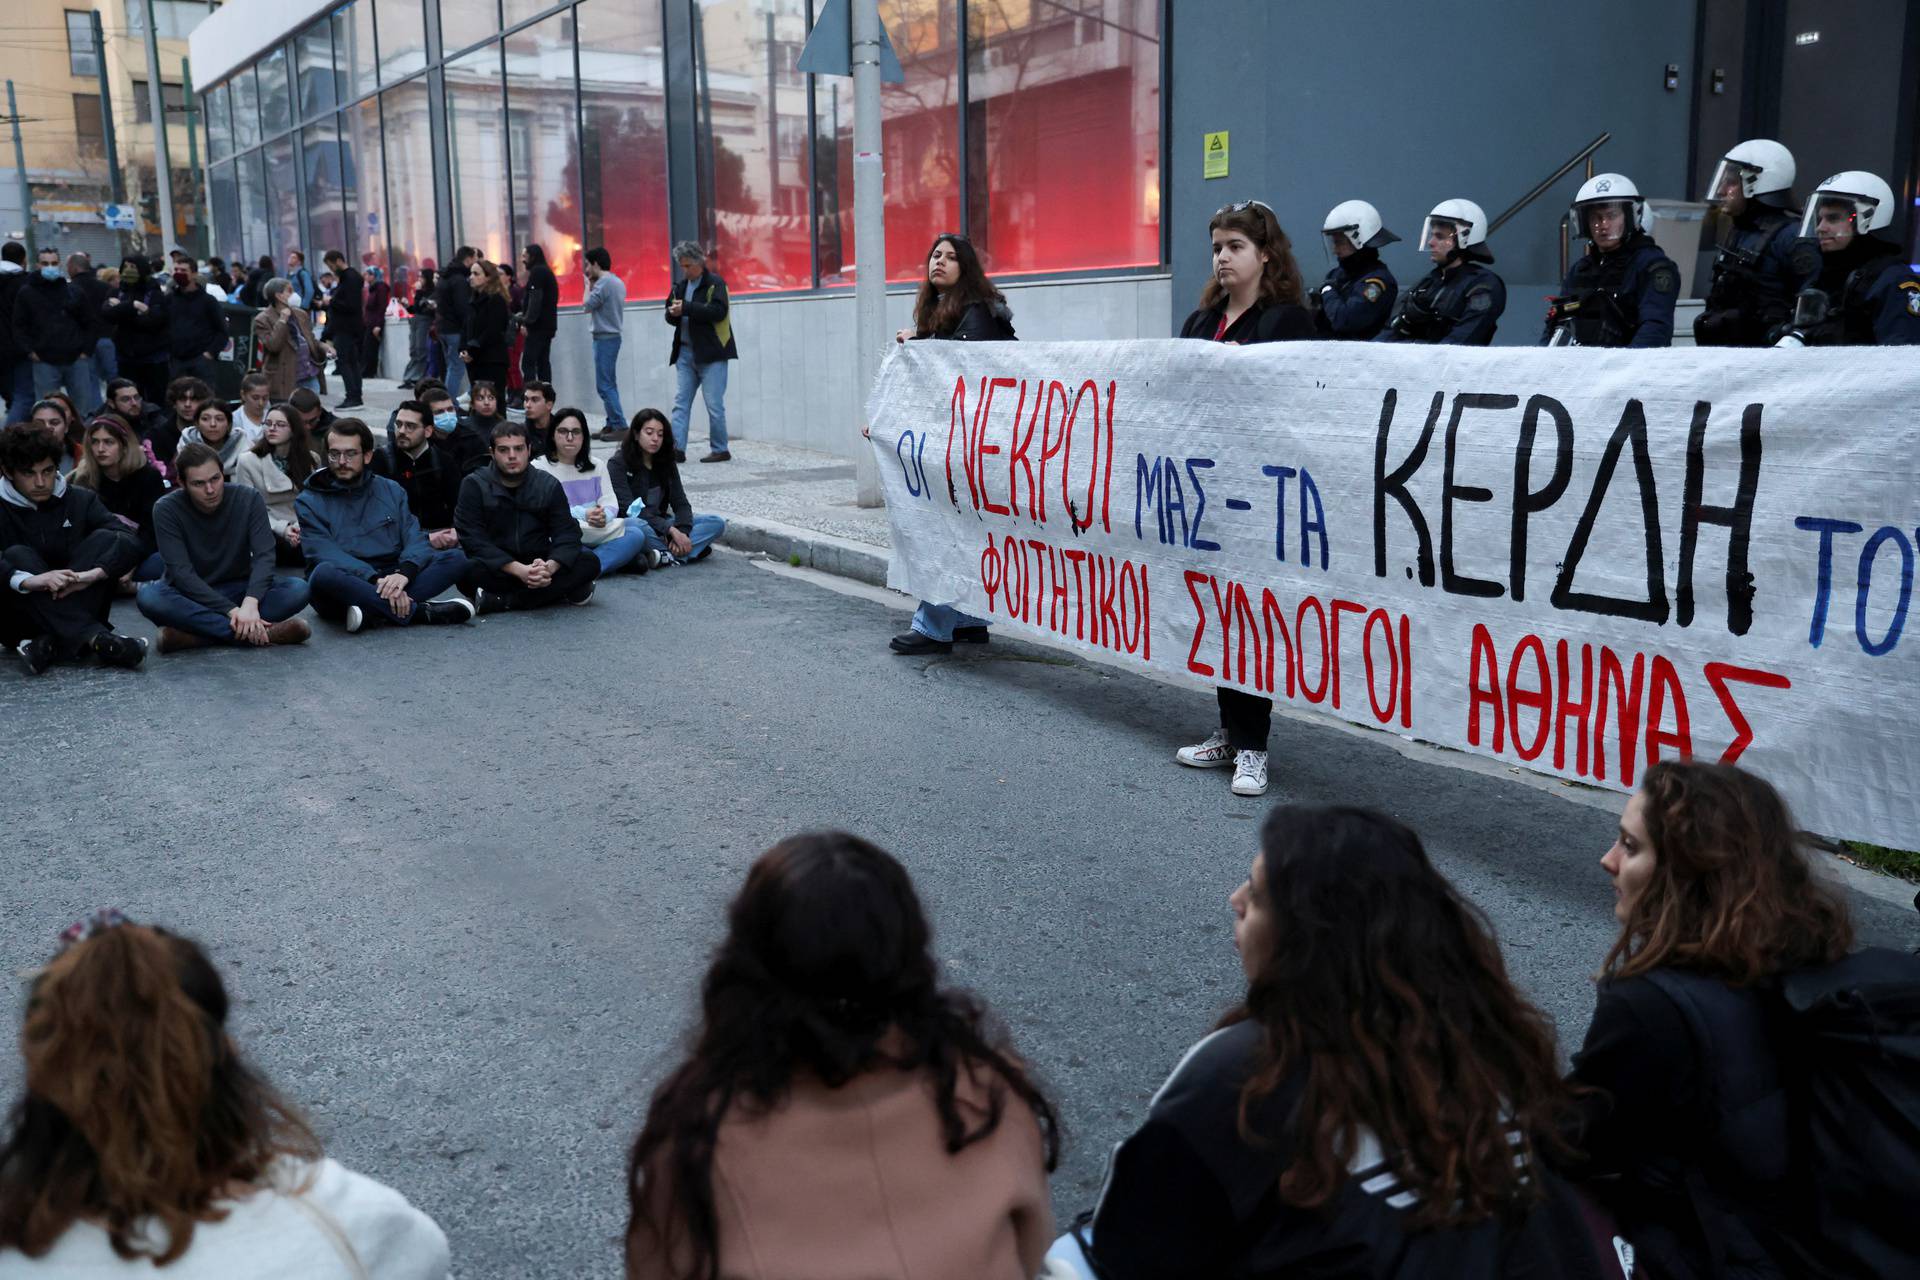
{"type": "Point", "coordinates": [1250, 773]}
{"type": "Point", "coordinates": [356, 618]}
{"type": "Point", "coordinates": [1214, 753]}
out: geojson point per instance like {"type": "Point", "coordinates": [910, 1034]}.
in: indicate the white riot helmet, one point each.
{"type": "Point", "coordinates": [1870, 199]}
{"type": "Point", "coordinates": [1359, 222]}
{"type": "Point", "coordinates": [1609, 188]}
{"type": "Point", "coordinates": [1761, 166]}
{"type": "Point", "coordinates": [1469, 222]}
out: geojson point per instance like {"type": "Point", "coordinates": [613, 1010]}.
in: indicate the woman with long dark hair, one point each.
{"type": "Point", "coordinates": [213, 427]}
{"type": "Point", "coordinates": [1253, 295]}
{"type": "Point", "coordinates": [484, 342]}
{"type": "Point", "coordinates": [1716, 900]}
{"type": "Point", "coordinates": [142, 1135]}
{"type": "Point", "coordinates": [116, 467]}
{"type": "Point", "coordinates": [616, 542]}
{"type": "Point", "coordinates": [956, 302]}
{"type": "Point", "coordinates": [646, 482]}
{"type": "Point", "coordinates": [840, 1112]}
{"type": "Point", "coordinates": [1378, 1105]}
{"type": "Point", "coordinates": [278, 466]}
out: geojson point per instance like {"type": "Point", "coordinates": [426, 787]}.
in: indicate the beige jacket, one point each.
{"type": "Point", "coordinates": [258, 472]}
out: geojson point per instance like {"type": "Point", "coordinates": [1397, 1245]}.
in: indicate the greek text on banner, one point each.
{"type": "Point", "coordinates": [1577, 561]}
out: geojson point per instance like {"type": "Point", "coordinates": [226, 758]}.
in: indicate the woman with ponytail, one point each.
{"type": "Point", "coordinates": [840, 1113]}
{"type": "Point", "coordinates": [144, 1141]}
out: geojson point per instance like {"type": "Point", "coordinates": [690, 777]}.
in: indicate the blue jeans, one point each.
{"type": "Point", "coordinates": [606, 377]}
{"type": "Point", "coordinates": [152, 569]}
{"type": "Point", "coordinates": [106, 359]}
{"type": "Point", "coordinates": [334, 588]}
{"type": "Point", "coordinates": [456, 371]}
{"type": "Point", "coordinates": [711, 378]}
{"type": "Point", "coordinates": [937, 621]}
{"type": "Point", "coordinates": [166, 606]}
{"type": "Point", "coordinates": [78, 378]}
{"type": "Point", "coordinates": [20, 396]}
{"type": "Point", "coordinates": [616, 554]}
{"type": "Point", "coordinates": [705, 530]}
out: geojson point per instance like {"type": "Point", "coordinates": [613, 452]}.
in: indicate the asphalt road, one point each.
{"type": "Point", "coordinates": [463, 882]}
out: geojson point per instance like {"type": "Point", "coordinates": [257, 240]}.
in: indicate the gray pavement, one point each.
{"type": "Point", "coordinates": [463, 882]}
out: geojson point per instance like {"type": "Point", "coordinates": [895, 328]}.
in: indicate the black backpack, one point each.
{"type": "Point", "coordinates": [1847, 1038]}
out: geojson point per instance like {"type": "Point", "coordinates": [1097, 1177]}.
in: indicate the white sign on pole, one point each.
{"type": "Point", "coordinates": [118, 217]}
{"type": "Point", "coordinates": [1576, 561]}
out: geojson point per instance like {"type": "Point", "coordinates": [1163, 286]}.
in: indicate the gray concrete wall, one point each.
{"type": "Point", "coordinates": [1406, 105]}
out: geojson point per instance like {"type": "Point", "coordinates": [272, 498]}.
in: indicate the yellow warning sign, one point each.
{"type": "Point", "coordinates": [1216, 153]}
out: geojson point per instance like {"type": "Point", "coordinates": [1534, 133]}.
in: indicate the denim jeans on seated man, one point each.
{"type": "Point", "coordinates": [711, 379]}
{"type": "Point", "coordinates": [80, 379]}
{"type": "Point", "coordinates": [167, 606]}
{"type": "Point", "coordinates": [705, 529]}
{"type": "Point", "coordinates": [616, 554]}
{"type": "Point", "coordinates": [335, 588]}
{"type": "Point", "coordinates": [937, 621]}
{"type": "Point", "coordinates": [606, 378]}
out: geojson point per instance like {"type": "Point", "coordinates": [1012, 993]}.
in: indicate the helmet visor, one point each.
{"type": "Point", "coordinates": [1836, 211]}
{"type": "Point", "coordinates": [1729, 177]}
{"type": "Point", "coordinates": [1445, 224]}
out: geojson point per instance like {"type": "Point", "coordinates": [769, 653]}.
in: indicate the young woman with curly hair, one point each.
{"type": "Point", "coordinates": [1715, 899]}
{"type": "Point", "coordinates": [841, 1112]}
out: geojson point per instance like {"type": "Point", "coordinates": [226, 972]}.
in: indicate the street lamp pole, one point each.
{"type": "Point", "coordinates": [869, 228]}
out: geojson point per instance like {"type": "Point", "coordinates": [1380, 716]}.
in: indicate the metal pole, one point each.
{"type": "Point", "coordinates": [869, 228]}
{"type": "Point", "coordinates": [157, 108]}
{"type": "Point", "coordinates": [202, 208]}
{"type": "Point", "coordinates": [20, 170]}
{"type": "Point", "coordinates": [116, 181]}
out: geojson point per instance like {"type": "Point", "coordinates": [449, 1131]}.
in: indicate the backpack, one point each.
{"type": "Point", "coordinates": [1846, 1044]}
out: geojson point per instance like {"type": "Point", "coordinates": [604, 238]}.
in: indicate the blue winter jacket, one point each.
{"type": "Point", "coordinates": [365, 528]}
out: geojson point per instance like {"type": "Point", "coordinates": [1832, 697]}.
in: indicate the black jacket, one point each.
{"type": "Point", "coordinates": [131, 498]}
{"type": "Point", "coordinates": [49, 321]}
{"type": "Point", "coordinates": [983, 322]}
{"type": "Point", "coordinates": [708, 323]}
{"type": "Point", "coordinates": [1620, 299]}
{"type": "Point", "coordinates": [432, 481]}
{"type": "Point", "coordinates": [1459, 304]}
{"type": "Point", "coordinates": [530, 521]}
{"type": "Point", "coordinates": [666, 506]}
{"type": "Point", "coordinates": [1356, 299]}
{"type": "Point", "coordinates": [95, 294]}
{"type": "Point", "coordinates": [485, 337]}
{"type": "Point", "coordinates": [11, 282]}
{"type": "Point", "coordinates": [1186, 1195]}
{"type": "Point", "coordinates": [451, 297]}
{"type": "Point", "coordinates": [343, 309]}
{"type": "Point", "coordinates": [141, 338]}
{"type": "Point", "coordinates": [1261, 322]}
{"type": "Point", "coordinates": [542, 307]}
{"type": "Point", "coordinates": [56, 528]}
{"type": "Point", "coordinates": [196, 325]}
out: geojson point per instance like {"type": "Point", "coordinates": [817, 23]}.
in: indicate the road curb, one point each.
{"type": "Point", "coordinates": [860, 561]}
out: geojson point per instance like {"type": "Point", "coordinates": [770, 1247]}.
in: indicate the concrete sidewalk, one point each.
{"type": "Point", "coordinates": [793, 504]}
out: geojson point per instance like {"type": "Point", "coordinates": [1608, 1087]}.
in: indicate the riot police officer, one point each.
{"type": "Point", "coordinates": [1758, 268]}
{"type": "Point", "coordinates": [1622, 290]}
{"type": "Point", "coordinates": [1460, 300]}
{"type": "Point", "coordinates": [1356, 299]}
{"type": "Point", "coordinates": [1867, 293]}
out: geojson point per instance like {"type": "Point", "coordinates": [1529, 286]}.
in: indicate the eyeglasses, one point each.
{"type": "Point", "coordinates": [568, 431]}
{"type": "Point", "coordinates": [343, 455]}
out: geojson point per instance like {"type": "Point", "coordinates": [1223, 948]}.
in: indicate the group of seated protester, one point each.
{"type": "Point", "coordinates": [224, 534]}
{"type": "Point", "coordinates": [1380, 1100]}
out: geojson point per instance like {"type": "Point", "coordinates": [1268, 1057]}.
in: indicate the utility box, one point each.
{"type": "Point", "coordinates": [1676, 226]}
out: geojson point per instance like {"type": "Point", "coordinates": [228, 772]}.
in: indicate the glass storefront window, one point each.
{"type": "Point", "coordinates": [326, 193]}
{"type": "Point", "coordinates": [403, 38]}
{"type": "Point", "coordinates": [467, 22]}
{"type": "Point", "coordinates": [213, 104]}
{"type": "Point", "coordinates": [544, 148]}
{"type": "Point", "coordinates": [1063, 135]}
{"type": "Point", "coordinates": [276, 98]}
{"type": "Point", "coordinates": [518, 11]}
{"type": "Point", "coordinates": [283, 202]}
{"type": "Point", "coordinates": [313, 70]}
{"type": "Point", "coordinates": [748, 103]}
{"type": "Point", "coordinates": [255, 235]}
{"type": "Point", "coordinates": [477, 152]}
{"type": "Point", "coordinates": [407, 140]}
{"type": "Point", "coordinates": [361, 169]}
{"type": "Point", "coordinates": [246, 110]}
{"type": "Point", "coordinates": [623, 153]}
{"type": "Point", "coordinates": [223, 193]}
{"type": "Point", "coordinates": [921, 136]}
{"type": "Point", "coordinates": [353, 51]}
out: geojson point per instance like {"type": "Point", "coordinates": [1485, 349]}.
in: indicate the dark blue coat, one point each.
{"type": "Point", "coordinates": [1619, 299]}
{"type": "Point", "coordinates": [1873, 296]}
{"type": "Point", "coordinates": [1459, 305]}
{"type": "Point", "coordinates": [1754, 280]}
{"type": "Point", "coordinates": [367, 529]}
{"type": "Point", "coordinates": [1356, 300]}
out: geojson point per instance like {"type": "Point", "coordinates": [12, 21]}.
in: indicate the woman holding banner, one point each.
{"type": "Point", "coordinates": [1254, 295]}
{"type": "Point", "coordinates": [957, 302]}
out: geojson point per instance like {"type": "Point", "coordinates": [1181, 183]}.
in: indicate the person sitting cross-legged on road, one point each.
{"type": "Point", "coordinates": [522, 541]}
{"type": "Point", "coordinates": [128, 482]}
{"type": "Point", "coordinates": [63, 553]}
{"type": "Point", "coordinates": [646, 481]}
{"type": "Point", "coordinates": [278, 465]}
{"type": "Point", "coordinates": [425, 468]}
{"type": "Point", "coordinates": [216, 544]}
{"type": "Point", "coordinates": [371, 561]}
{"type": "Point", "coordinates": [454, 432]}
{"type": "Point", "coordinates": [616, 542]}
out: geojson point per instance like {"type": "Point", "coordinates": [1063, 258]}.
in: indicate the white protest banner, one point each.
{"type": "Point", "coordinates": [1577, 561]}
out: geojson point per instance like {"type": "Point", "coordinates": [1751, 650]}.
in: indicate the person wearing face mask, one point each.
{"type": "Point", "coordinates": [141, 317]}
{"type": "Point", "coordinates": [425, 468]}
{"type": "Point", "coordinates": [52, 327]}
{"type": "Point", "coordinates": [1356, 299]}
{"type": "Point", "coordinates": [1460, 301]}
{"type": "Point", "coordinates": [1621, 293]}
{"type": "Point", "coordinates": [292, 356]}
{"type": "Point", "coordinates": [1757, 266]}
{"type": "Point", "coordinates": [455, 433]}
{"type": "Point", "coordinates": [197, 328]}
{"type": "Point", "coordinates": [1866, 293]}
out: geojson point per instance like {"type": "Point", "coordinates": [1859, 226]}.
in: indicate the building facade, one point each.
{"type": "Point", "coordinates": [1065, 138]}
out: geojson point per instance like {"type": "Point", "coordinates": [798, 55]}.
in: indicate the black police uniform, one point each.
{"type": "Point", "coordinates": [1356, 301]}
{"type": "Point", "coordinates": [1620, 299]}
{"type": "Point", "coordinates": [1755, 277]}
{"type": "Point", "coordinates": [1458, 304]}
{"type": "Point", "coordinates": [1873, 297]}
